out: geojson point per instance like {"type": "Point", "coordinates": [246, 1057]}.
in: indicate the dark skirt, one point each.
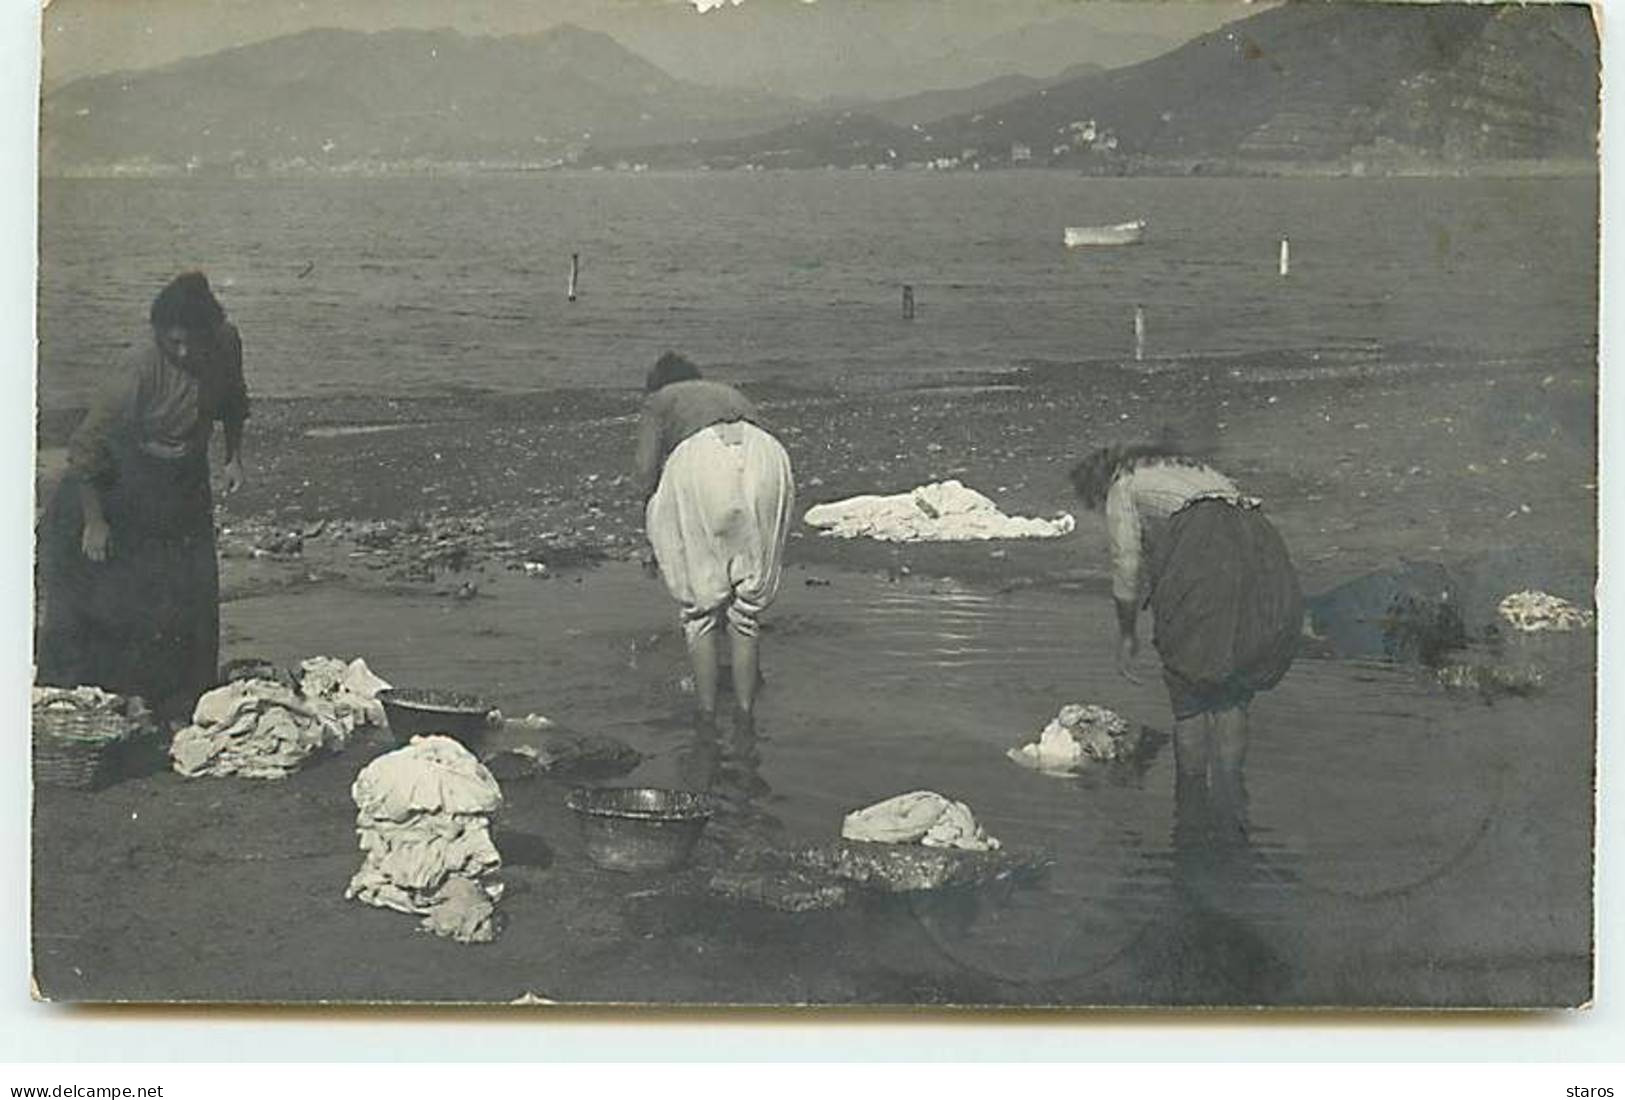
{"type": "Point", "coordinates": [1226, 604]}
{"type": "Point", "coordinates": [147, 620]}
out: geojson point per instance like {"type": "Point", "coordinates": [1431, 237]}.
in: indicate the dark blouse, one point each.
{"type": "Point", "coordinates": [170, 412]}
{"type": "Point", "coordinates": [674, 412]}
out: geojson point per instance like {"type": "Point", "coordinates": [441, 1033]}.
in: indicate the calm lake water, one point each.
{"type": "Point", "coordinates": [1407, 846]}
{"type": "Point", "coordinates": [412, 285]}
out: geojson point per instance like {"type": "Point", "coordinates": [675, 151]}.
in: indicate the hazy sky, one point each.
{"type": "Point", "coordinates": [806, 48]}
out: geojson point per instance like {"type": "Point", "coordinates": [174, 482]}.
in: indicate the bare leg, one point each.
{"type": "Point", "coordinates": [1230, 740]}
{"type": "Point", "coordinates": [746, 662]}
{"type": "Point", "coordinates": [1227, 783]}
{"type": "Point", "coordinates": [1192, 747]}
{"type": "Point", "coordinates": [1191, 751]}
{"type": "Point", "coordinates": [1193, 814]}
{"type": "Point", "coordinates": [702, 654]}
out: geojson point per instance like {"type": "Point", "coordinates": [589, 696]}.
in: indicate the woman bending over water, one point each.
{"type": "Point", "coordinates": [1224, 599]}
{"type": "Point", "coordinates": [719, 495]}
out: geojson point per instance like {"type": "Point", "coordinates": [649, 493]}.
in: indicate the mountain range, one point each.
{"type": "Point", "coordinates": [1314, 81]}
{"type": "Point", "coordinates": [1307, 81]}
{"type": "Point", "coordinates": [337, 96]}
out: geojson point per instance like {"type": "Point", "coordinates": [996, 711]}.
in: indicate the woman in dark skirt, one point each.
{"type": "Point", "coordinates": [129, 578]}
{"type": "Point", "coordinates": [1224, 599]}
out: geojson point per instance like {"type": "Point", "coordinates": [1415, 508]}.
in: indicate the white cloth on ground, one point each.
{"type": "Point", "coordinates": [1532, 612]}
{"type": "Point", "coordinates": [1080, 733]}
{"type": "Point", "coordinates": [423, 825]}
{"type": "Point", "coordinates": [257, 729]}
{"type": "Point", "coordinates": [83, 697]}
{"type": "Point", "coordinates": [943, 511]}
{"type": "Point", "coordinates": [350, 690]}
{"type": "Point", "coordinates": [919, 817]}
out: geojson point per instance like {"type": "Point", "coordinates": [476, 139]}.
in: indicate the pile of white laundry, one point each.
{"type": "Point", "coordinates": [1081, 733]}
{"type": "Point", "coordinates": [943, 511]}
{"type": "Point", "coordinates": [423, 818]}
{"type": "Point", "coordinates": [88, 697]}
{"type": "Point", "coordinates": [262, 729]}
{"type": "Point", "coordinates": [350, 690]}
{"type": "Point", "coordinates": [919, 817]}
{"type": "Point", "coordinates": [1535, 612]}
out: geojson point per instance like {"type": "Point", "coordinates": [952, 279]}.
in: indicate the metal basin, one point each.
{"type": "Point", "coordinates": [639, 828]}
{"type": "Point", "coordinates": [413, 711]}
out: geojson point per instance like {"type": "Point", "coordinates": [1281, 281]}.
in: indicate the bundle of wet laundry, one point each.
{"type": "Point", "coordinates": [1537, 612]}
{"type": "Point", "coordinates": [263, 729]}
{"type": "Point", "coordinates": [919, 817]}
{"type": "Point", "coordinates": [423, 817]}
{"type": "Point", "coordinates": [88, 698]}
{"type": "Point", "coordinates": [943, 511]}
{"type": "Point", "coordinates": [257, 729]}
{"type": "Point", "coordinates": [1080, 734]}
{"type": "Point", "coordinates": [349, 690]}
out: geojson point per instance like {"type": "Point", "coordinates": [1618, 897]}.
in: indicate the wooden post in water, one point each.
{"type": "Point", "coordinates": [908, 302]}
{"type": "Point", "coordinates": [575, 268]}
{"type": "Point", "coordinates": [1139, 333]}
{"type": "Point", "coordinates": [1286, 257]}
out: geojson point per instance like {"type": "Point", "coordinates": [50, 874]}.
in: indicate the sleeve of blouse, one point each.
{"type": "Point", "coordinates": [646, 465]}
{"type": "Point", "coordinates": [234, 396]}
{"type": "Point", "coordinates": [1123, 531]}
{"type": "Point", "coordinates": [90, 447]}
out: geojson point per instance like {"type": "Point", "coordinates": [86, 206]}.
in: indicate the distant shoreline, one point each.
{"type": "Point", "coordinates": [1555, 168]}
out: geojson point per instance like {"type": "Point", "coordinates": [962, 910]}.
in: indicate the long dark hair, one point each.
{"type": "Point", "coordinates": [187, 302]}
{"type": "Point", "coordinates": [669, 368]}
{"type": "Point", "coordinates": [1092, 478]}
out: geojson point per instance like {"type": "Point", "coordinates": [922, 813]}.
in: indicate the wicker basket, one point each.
{"type": "Point", "coordinates": [79, 748]}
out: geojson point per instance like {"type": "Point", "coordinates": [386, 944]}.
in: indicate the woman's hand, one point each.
{"type": "Point", "coordinates": [1128, 642]}
{"type": "Point", "coordinates": [1128, 646]}
{"type": "Point", "coordinates": [96, 539]}
{"type": "Point", "coordinates": [232, 475]}
{"type": "Point", "coordinates": [651, 566]}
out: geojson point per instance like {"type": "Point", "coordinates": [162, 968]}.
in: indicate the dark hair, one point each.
{"type": "Point", "coordinates": [670, 368]}
{"type": "Point", "coordinates": [187, 302]}
{"type": "Point", "coordinates": [1092, 478]}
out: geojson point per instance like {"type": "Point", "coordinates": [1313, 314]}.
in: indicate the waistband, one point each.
{"type": "Point", "coordinates": [1245, 503]}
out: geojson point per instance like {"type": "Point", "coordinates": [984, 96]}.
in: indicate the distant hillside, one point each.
{"type": "Point", "coordinates": [329, 97]}
{"type": "Point", "coordinates": [930, 106]}
{"type": "Point", "coordinates": [839, 138]}
{"type": "Point", "coordinates": [1307, 82]}
{"type": "Point", "coordinates": [1317, 81]}
{"type": "Point", "coordinates": [865, 133]}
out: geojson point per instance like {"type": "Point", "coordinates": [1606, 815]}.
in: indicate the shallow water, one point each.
{"type": "Point", "coordinates": [1395, 854]}
{"type": "Point", "coordinates": [415, 285]}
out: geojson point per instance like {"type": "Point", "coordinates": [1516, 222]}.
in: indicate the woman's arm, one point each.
{"type": "Point", "coordinates": [96, 537]}
{"type": "Point", "coordinates": [90, 456]}
{"type": "Point", "coordinates": [646, 463]}
{"type": "Point", "coordinates": [1123, 532]}
{"type": "Point", "coordinates": [234, 409]}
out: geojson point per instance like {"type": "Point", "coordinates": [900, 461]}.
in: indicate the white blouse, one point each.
{"type": "Point", "coordinates": [1150, 493]}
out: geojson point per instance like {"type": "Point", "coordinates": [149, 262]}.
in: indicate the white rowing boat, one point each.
{"type": "Point", "coordinates": [1081, 236]}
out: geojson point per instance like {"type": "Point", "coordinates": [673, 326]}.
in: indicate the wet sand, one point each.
{"type": "Point", "coordinates": [1410, 846]}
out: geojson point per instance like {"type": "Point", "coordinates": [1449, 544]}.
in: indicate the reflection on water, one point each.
{"type": "Point", "coordinates": [1384, 825]}
{"type": "Point", "coordinates": [1223, 948]}
{"type": "Point", "coordinates": [726, 763]}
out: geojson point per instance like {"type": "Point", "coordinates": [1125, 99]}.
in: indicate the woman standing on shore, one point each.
{"type": "Point", "coordinates": [718, 497]}
{"type": "Point", "coordinates": [1225, 603]}
{"type": "Point", "coordinates": [127, 553]}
